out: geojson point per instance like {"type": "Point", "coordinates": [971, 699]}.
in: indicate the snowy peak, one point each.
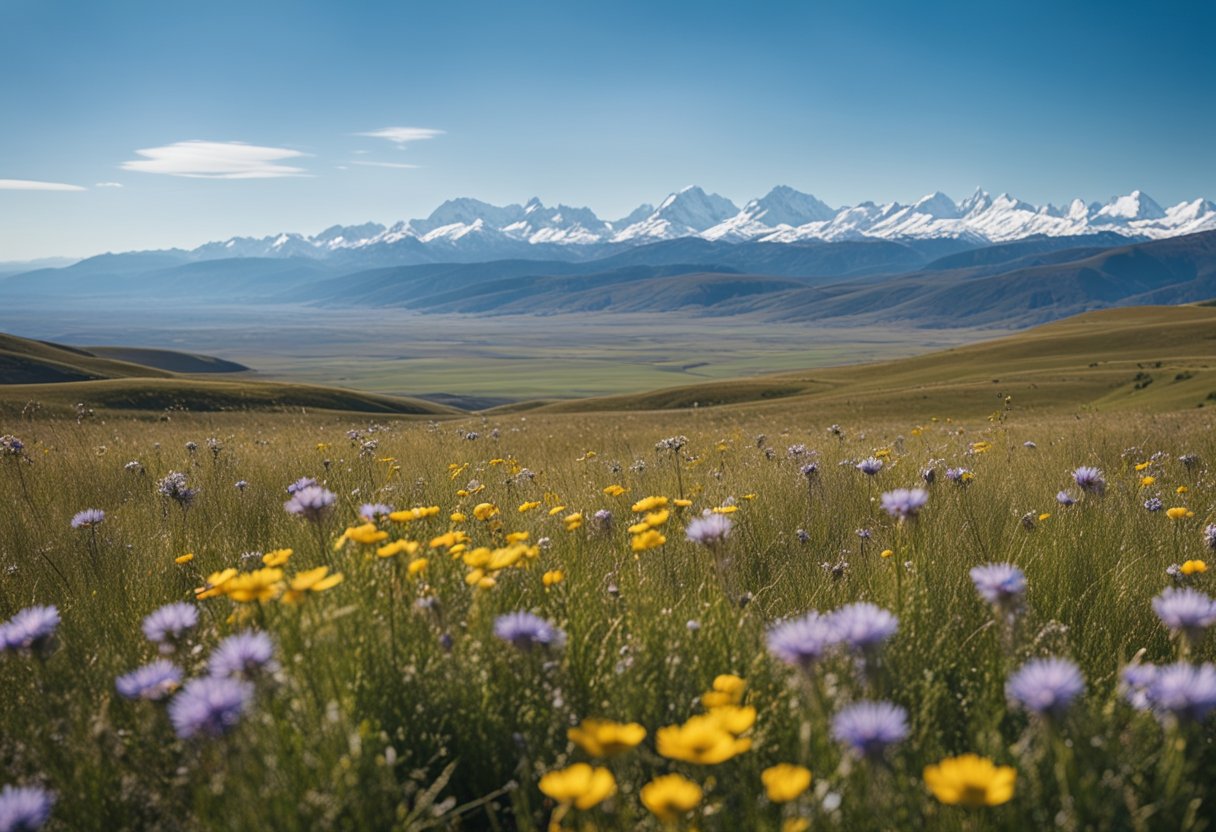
{"type": "Point", "coordinates": [937, 205]}
{"type": "Point", "coordinates": [1135, 206]}
{"type": "Point", "coordinates": [467, 211]}
{"type": "Point", "coordinates": [977, 202]}
{"type": "Point", "coordinates": [785, 206]}
{"type": "Point", "coordinates": [695, 209]}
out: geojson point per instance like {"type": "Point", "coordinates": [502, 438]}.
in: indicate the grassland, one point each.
{"type": "Point", "coordinates": [395, 706]}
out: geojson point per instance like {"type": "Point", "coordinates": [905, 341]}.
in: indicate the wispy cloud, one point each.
{"type": "Point", "coordinates": [216, 160]}
{"type": "Point", "coordinates": [400, 165]}
{"type": "Point", "coordinates": [401, 136]}
{"type": "Point", "coordinates": [108, 185]}
{"type": "Point", "coordinates": [33, 185]}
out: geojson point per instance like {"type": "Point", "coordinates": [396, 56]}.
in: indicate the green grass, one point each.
{"type": "Point", "coordinates": [387, 715]}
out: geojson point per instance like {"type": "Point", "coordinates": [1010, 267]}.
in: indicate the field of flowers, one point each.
{"type": "Point", "coordinates": [593, 622]}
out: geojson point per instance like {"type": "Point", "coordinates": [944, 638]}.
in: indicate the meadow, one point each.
{"type": "Point", "coordinates": [670, 671]}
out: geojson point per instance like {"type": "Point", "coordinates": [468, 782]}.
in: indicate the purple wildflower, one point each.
{"type": "Point", "coordinates": [88, 518]}
{"type": "Point", "coordinates": [24, 808]}
{"type": "Point", "coordinates": [1154, 504]}
{"type": "Point", "coordinates": [153, 681]}
{"type": "Point", "coordinates": [31, 630]}
{"type": "Point", "coordinates": [166, 625]}
{"type": "Point", "coordinates": [374, 511]}
{"type": "Point", "coordinates": [1065, 499]}
{"type": "Point", "coordinates": [1135, 680]}
{"type": "Point", "coordinates": [1046, 686]}
{"type": "Point", "coordinates": [525, 630]}
{"type": "Point", "coordinates": [240, 485]}
{"type": "Point", "coordinates": [602, 520]}
{"type": "Point", "coordinates": [301, 484]}
{"type": "Point", "coordinates": [11, 445]}
{"type": "Point", "coordinates": [1001, 584]}
{"type": "Point", "coordinates": [311, 502]}
{"type": "Point", "coordinates": [1209, 536]}
{"type": "Point", "coordinates": [863, 626]}
{"type": "Point", "coordinates": [1184, 690]}
{"type": "Point", "coordinates": [869, 728]}
{"type": "Point", "coordinates": [1089, 480]}
{"type": "Point", "coordinates": [709, 529]}
{"type": "Point", "coordinates": [174, 486]}
{"type": "Point", "coordinates": [958, 476]}
{"type": "Point", "coordinates": [209, 705]}
{"type": "Point", "coordinates": [810, 470]}
{"type": "Point", "coordinates": [1185, 610]}
{"type": "Point", "coordinates": [904, 503]}
{"type": "Point", "coordinates": [802, 641]}
{"type": "Point", "coordinates": [249, 654]}
{"type": "Point", "coordinates": [870, 466]}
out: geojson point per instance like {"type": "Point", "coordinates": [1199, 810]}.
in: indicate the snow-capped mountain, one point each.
{"type": "Point", "coordinates": [467, 229]}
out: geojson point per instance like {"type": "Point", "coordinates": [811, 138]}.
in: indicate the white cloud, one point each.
{"type": "Point", "coordinates": [400, 165]}
{"type": "Point", "coordinates": [108, 185]}
{"type": "Point", "coordinates": [32, 185]}
{"type": "Point", "coordinates": [403, 135]}
{"type": "Point", "coordinates": [216, 160]}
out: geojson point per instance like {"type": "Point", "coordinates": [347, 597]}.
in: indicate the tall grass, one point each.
{"type": "Point", "coordinates": [388, 713]}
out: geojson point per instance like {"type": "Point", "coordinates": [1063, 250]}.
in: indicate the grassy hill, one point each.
{"type": "Point", "coordinates": [1142, 358]}
{"type": "Point", "coordinates": [170, 360]}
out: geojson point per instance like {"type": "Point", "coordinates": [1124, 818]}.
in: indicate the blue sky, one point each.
{"type": "Point", "coordinates": [606, 105]}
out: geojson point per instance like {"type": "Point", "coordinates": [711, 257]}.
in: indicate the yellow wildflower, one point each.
{"type": "Point", "coordinates": [727, 689]}
{"type": "Point", "coordinates": [649, 504]}
{"type": "Point", "coordinates": [497, 461]}
{"type": "Point", "coordinates": [553, 577]}
{"type": "Point", "coordinates": [573, 521]}
{"type": "Point", "coordinates": [670, 796]}
{"type": "Point", "coordinates": [276, 558]}
{"type": "Point", "coordinates": [681, 503]}
{"type": "Point", "coordinates": [802, 824]}
{"type": "Point", "coordinates": [215, 583]}
{"type": "Point", "coordinates": [367, 534]}
{"type": "Point", "coordinates": [398, 547]}
{"type": "Point", "coordinates": [417, 566]}
{"type": "Point", "coordinates": [970, 780]}
{"type": "Point", "coordinates": [409, 514]}
{"type": "Point", "coordinates": [1147, 481]}
{"type": "Point", "coordinates": [484, 511]}
{"type": "Point", "coordinates": [517, 537]}
{"type": "Point", "coordinates": [615, 490]}
{"type": "Point", "coordinates": [725, 509]}
{"type": "Point", "coordinates": [258, 585]}
{"type": "Point", "coordinates": [1044, 516]}
{"type": "Point", "coordinates": [447, 541]}
{"type": "Point", "coordinates": [733, 718]}
{"type": "Point", "coordinates": [458, 517]}
{"type": "Point", "coordinates": [886, 553]}
{"type": "Point", "coordinates": [580, 785]}
{"type": "Point", "coordinates": [981, 447]}
{"type": "Point", "coordinates": [1182, 489]}
{"type": "Point", "coordinates": [1194, 567]}
{"type": "Point", "coordinates": [186, 558]}
{"type": "Point", "coordinates": [1179, 513]}
{"type": "Point", "coordinates": [528, 506]}
{"type": "Point", "coordinates": [605, 738]}
{"type": "Point", "coordinates": [702, 739]}
{"type": "Point", "coordinates": [785, 782]}
{"type": "Point", "coordinates": [657, 518]}
{"type": "Point", "coordinates": [1140, 466]}
{"type": "Point", "coordinates": [313, 580]}
{"type": "Point", "coordinates": [648, 539]}
{"type": "Point", "coordinates": [556, 510]}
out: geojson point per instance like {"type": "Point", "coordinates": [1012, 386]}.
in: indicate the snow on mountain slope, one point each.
{"type": "Point", "coordinates": [782, 207]}
{"type": "Point", "coordinates": [685, 213]}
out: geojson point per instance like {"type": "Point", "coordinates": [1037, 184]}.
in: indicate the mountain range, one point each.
{"type": "Point", "coordinates": [467, 230]}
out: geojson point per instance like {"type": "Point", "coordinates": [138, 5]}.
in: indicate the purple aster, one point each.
{"type": "Point", "coordinates": [1134, 683]}
{"type": "Point", "coordinates": [11, 445]}
{"type": "Point", "coordinates": [709, 529]}
{"type": "Point", "coordinates": [240, 485]}
{"type": "Point", "coordinates": [174, 486]}
{"type": "Point", "coordinates": [1209, 536]}
{"type": "Point", "coordinates": [301, 484]}
{"type": "Point", "coordinates": [904, 503]}
{"type": "Point", "coordinates": [1184, 690]}
{"type": "Point", "coordinates": [863, 626]}
{"type": "Point", "coordinates": [24, 808]}
{"type": "Point", "coordinates": [802, 641]}
{"type": "Point", "coordinates": [153, 681]}
{"type": "Point", "coordinates": [1154, 504]}
{"type": "Point", "coordinates": [1089, 480]}
{"type": "Point", "coordinates": [31, 630]}
{"type": "Point", "coordinates": [810, 470]}
{"type": "Point", "coordinates": [958, 476]}
{"type": "Point", "coordinates": [1045, 686]}
{"type": "Point", "coordinates": [209, 705]}
{"type": "Point", "coordinates": [525, 630]}
{"type": "Point", "coordinates": [869, 728]}
{"type": "Point", "coordinates": [250, 654]}
{"type": "Point", "coordinates": [602, 520]}
{"type": "Point", "coordinates": [999, 583]}
{"type": "Point", "coordinates": [311, 502]}
{"type": "Point", "coordinates": [1065, 499]}
{"type": "Point", "coordinates": [374, 511]}
{"type": "Point", "coordinates": [168, 624]}
{"type": "Point", "coordinates": [1185, 610]}
{"type": "Point", "coordinates": [88, 518]}
{"type": "Point", "coordinates": [870, 466]}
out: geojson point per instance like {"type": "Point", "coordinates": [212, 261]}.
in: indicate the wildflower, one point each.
{"type": "Point", "coordinates": [970, 780]}
{"type": "Point", "coordinates": [1185, 610]}
{"type": "Point", "coordinates": [671, 443]}
{"type": "Point", "coordinates": [168, 624]}
{"type": "Point", "coordinates": [249, 654]}
{"type": "Point", "coordinates": [669, 796]}
{"type": "Point", "coordinates": [24, 808]}
{"type": "Point", "coordinates": [417, 566]}
{"type": "Point", "coordinates": [153, 681]}
{"type": "Point", "coordinates": [886, 553]}
{"type": "Point", "coordinates": [31, 630]}
{"type": "Point", "coordinates": [959, 476]}
{"type": "Point", "coordinates": [1046, 686]}
{"type": "Point", "coordinates": [88, 518]}
{"type": "Point", "coordinates": [209, 705]}
{"type": "Point", "coordinates": [709, 529]}
{"type": "Point", "coordinates": [680, 502]}
{"type": "Point", "coordinates": [240, 485]}
{"type": "Point", "coordinates": [869, 728]}
{"type": "Point", "coordinates": [803, 535]}
{"type": "Point", "coordinates": [1089, 480]}
{"type": "Point", "coordinates": [870, 466]}
{"type": "Point", "coordinates": [863, 626]}
{"type": "Point", "coordinates": [601, 521]}
{"type": "Point", "coordinates": [1001, 584]}
{"type": "Point", "coordinates": [525, 630]}
{"type": "Point", "coordinates": [735, 719]}
{"type": "Point", "coordinates": [1182, 489]}
{"type": "Point", "coordinates": [802, 641]}
{"type": "Point", "coordinates": [11, 445]}
{"type": "Point", "coordinates": [648, 539]}
{"type": "Point", "coordinates": [374, 511]}
{"type": "Point", "coordinates": [397, 547]}
{"type": "Point", "coordinates": [174, 486]}
{"type": "Point", "coordinates": [1065, 499]}
{"type": "Point", "coordinates": [301, 484]}
{"type": "Point", "coordinates": [553, 577]}
{"type": "Point", "coordinates": [727, 689]}
{"type": "Point", "coordinates": [1134, 683]}
{"type": "Point", "coordinates": [810, 470]}
{"type": "Point", "coordinates": [605, 738]}
{"type": "Point", "coordinates": [1189, 460]}
{"type": "Point", "coordinates": [1184, 690]}
{"type": "Point", "coordinates": [1154, 504]}
{"type": "Point", "coordinates": [1209, 536]}
{"type": "Point", "coordinates": [1147, 480]}
{"type": "Point", "coordinates": [615, 490]}
{"type": "Point", "coordinates": [484, 511]}
{"type": "Point", "coordinates": [785, 782]}
{"type": "Point", "coordinates": [215, 584]}
{"type": "Point", "coordinates": [311, 502]}
{"type": "Point", "coordinates": [1193, 567]}
{"type": "Point", "coordinates": [702, 740]}
{"type": "Point", "coordinates": [312, 580]}
{"type": "Point", "coordinates": [259, 585]}
{"type": "Point", "coordinates": [523, 507]}
{"type": "Point", "coordinates": [649, 504]}
{"type": "Point", "coordinates": [278, 557]}
{"type": "Point", "coordinates": [1179, 513]}
{"type": "Point", "coordinates": [580, 785]}
{"type": "Point", "coordinates": [367, 534]}
{"type": "Point", "coordinates": [183, 559]}
{"type": "Point", "coordinates": [904, 503]}
{"type": "Point", "coordinates": [573, 521]}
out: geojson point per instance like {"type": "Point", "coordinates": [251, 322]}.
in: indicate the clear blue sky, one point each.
{"type": "Point", "coordinates": [605, 104]}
